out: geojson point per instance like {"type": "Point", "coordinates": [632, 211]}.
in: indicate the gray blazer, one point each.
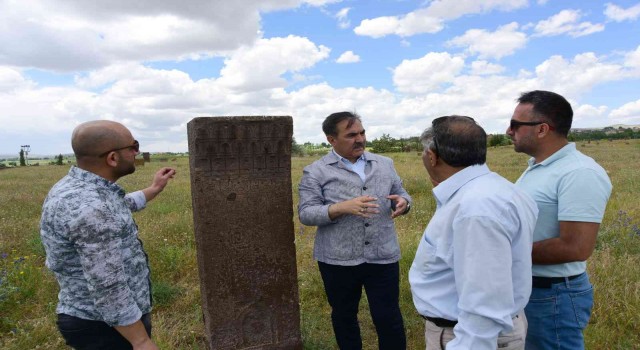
{"type": "Point", "coordinates": [350, 240]}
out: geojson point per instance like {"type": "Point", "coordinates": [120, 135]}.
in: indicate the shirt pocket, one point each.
{"type": "Point", "coordinates": [428, 257]}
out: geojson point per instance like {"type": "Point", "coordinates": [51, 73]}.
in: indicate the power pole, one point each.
{"type": "Point", "coordinates": [25, 149]}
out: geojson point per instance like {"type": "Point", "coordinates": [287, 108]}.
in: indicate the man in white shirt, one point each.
{"type": "Point", "coordinates": [471, 277]}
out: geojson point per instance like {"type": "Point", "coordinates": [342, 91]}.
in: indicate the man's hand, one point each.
{"type": "Point", "coordinates": [160, 180]}
{"type": "Point", "coordinates": [359, 206]}
{"type": "Point", "coordinates": [401, 205]}
{"type": "Point", "coordinates": [137, 335]}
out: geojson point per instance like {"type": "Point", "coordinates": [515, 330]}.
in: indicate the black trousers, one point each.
{"type": "Point", "coordinates": [83, 334]}
{"type": "Point", "coordinates": [343, 285]}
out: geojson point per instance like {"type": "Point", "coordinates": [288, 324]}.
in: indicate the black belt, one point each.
{"type": "Point", "coordinates": [441, 322]}
{"type": "Point", "coordinates": [546, 282]}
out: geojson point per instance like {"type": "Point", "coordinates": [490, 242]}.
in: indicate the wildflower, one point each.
{"type": "Point", "coordinates": [4, 255]}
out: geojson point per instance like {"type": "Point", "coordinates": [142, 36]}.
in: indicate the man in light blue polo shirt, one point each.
{"type": "Point", "coordinates": [571, 191]}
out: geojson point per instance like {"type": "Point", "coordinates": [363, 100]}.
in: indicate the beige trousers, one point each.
{"type": "Point", "coordinates": [437, 338]}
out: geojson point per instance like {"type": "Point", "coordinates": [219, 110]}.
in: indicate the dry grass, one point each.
{"type": "Point", "coordinates": [28, 292]}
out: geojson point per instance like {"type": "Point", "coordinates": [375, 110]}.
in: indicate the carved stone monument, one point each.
{"type": "Point", "coordinates": [146, 156]}
{"type": "Point", "coordinates": [243, 222]}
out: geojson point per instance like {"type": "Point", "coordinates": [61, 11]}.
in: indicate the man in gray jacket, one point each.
{"type": "Point", "coordinates": [352, 196]}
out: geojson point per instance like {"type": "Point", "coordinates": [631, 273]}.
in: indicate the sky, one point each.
{"type": "Point", "coordinates": [154, 65]}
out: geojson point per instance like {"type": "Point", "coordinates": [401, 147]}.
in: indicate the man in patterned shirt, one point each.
{"type": "Point", "coordinates": [92, 243]}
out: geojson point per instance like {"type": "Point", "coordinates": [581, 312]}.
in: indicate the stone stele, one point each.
{"type": "Point", "coordinates": [243, 223]}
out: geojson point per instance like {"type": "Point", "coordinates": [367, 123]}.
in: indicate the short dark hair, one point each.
{"type": "Point", "coordinates": [329, 126]}
{"type": "Point", "coordinates": [551, 107]}
{"type": "Point", "coordinates": [458, 140]}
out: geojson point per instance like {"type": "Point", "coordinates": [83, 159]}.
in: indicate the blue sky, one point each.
{"type": "Point", "coordinates": [155, 65]}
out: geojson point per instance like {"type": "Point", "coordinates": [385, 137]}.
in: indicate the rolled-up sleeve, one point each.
{"type": "Point", "coordinates": [136, 201]}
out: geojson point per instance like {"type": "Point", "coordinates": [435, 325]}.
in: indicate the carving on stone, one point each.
{"type": "Point", "coordinates": [243, 223]}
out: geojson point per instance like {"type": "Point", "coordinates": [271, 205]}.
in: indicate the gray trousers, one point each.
{"type": "Point", "coordinates": [438, 337]}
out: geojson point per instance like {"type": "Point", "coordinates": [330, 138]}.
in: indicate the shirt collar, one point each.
{"type": "Point", "coordinates": [561, 153]}
{"type": "Point", "coordinates": [87, 176]}
{"type": "Point", "coordinates": [447, 188]}
{"type": "Point", "coordinates": [343, 159]}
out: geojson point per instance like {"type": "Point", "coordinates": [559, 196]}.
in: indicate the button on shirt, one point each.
{"type": "Point", "coordinates": [350, 240]}
{"type": "Point", "coordinates": [567, 186]}
{"type": "Point", "coordinates": [473, 263]}
{"type": "Point", "coordinates": [92, 247]}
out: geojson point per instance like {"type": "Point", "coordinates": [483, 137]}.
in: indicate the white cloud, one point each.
{"type": "Point", "coordinates": [431, 19]}
{"type": "Point", "coordinates": [485, 68]}
{"type": "Point", "coordinates": [408, 25]}
{"type": "Point", "coordinates": [426, 74]}
{"type": "Point", "coordinates": [618, 14]}
{"type": "Point", "coordinates": [503, 42]}
{"type": "Point", "coordinates": [578, 75]}
{"type": "Point", "coordinates": [12, 80]}
{"type": "Point", "coordinates": [320, 3]}
{"type": "Point", "coordinates": [262, 65]}
{"type": "Point", "coordinates": [343, 19]}
{"type": "Point", "coordinates": [627, 114]}
{"type": "Point", "coordinates": [81, 35]}
{"type": "Point", "coordinates": [348, 57]}
{"type": "Point", "coordinates": [632, 59]}
{"type": "Point", "coordinates": [157, 103]}
{"type": "Point", "coordinates": [566, 22]}
{"type": "Point", "coordinates": [589, 116]}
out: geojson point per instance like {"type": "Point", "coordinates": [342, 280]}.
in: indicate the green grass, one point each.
{"type": "Point", "coordinates": [28, 292]}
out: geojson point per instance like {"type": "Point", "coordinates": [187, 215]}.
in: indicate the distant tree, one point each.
{"type": "Point", "coordinates": [22, 160]}
{"type": "Point", "coordinates": [59, 160]}
{"type": "Point", "coordinates": [383, 144]}
{"type": "Point", "coordinates": [496, 140]}
{"type": "Point", "coordinates": [296, 148]}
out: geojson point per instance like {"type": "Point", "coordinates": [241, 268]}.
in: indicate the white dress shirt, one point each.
{"type": "Point", "coordinates": [473, 263]}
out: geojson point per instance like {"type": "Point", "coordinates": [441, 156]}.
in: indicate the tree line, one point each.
{"type": "Point", "coordinates": [387, 143]}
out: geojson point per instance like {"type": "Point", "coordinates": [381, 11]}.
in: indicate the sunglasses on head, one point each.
{"type": "Point", "coordinates": [135, 146]}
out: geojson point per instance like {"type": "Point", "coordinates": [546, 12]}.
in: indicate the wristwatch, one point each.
{"type": "Point", "coordinates": [408, 208]}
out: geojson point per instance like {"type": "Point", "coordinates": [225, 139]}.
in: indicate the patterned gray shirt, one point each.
{"type": "Point", "coordinates": [92, 247]}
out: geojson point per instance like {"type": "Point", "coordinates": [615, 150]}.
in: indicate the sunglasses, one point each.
{"type": "Point", "coordinates": [514, 124]}
{"type": "Point", "coordinates": [439, 120]}
{"type": "Point", "coordinates": [135, 147]}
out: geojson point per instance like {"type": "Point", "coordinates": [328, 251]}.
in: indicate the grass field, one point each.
{"type": "Point", "coordinates": [28, 292]}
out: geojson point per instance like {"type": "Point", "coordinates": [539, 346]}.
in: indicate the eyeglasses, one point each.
{"type": "Point", "coordinates": [439, 120]}
{"type": "Point", "coordinates": [515, 124]}
{"type": "Point", "coordinates": [135, 147]}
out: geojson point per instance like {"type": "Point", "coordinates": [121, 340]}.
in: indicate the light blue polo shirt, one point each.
{"type": "Point", "coordinates": [567, 186]}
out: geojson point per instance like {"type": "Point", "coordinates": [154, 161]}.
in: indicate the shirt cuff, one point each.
{"type": "Point", "coordinates": [138, 199]}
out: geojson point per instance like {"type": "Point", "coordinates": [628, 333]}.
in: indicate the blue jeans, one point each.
{"type": "Point", "coordinates": [343, 285]}
{"type": "Point", "coordinates": [558, 315]}
{"type": "Point", "coordinates": [82, 334]}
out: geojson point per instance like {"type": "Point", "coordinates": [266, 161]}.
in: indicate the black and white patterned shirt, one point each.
{"type": "Point", "coordinates": [92, 247]}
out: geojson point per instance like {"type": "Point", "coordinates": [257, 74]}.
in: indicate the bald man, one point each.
{"type": "Point", "coordinates": [92, 243]}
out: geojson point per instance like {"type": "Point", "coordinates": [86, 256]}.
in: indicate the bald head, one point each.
{"type": "Point", "coordinates": [96, 137]}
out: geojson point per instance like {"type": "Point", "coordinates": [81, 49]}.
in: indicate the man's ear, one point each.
{"type": "Point", "coordinates": [112, 159]}
{"type": "Point", "coordinates": [331, 139]}
{"type": "Point", "coordinates": [433, 157]}
{"type": "Point", "coordinates": [544, 130]}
